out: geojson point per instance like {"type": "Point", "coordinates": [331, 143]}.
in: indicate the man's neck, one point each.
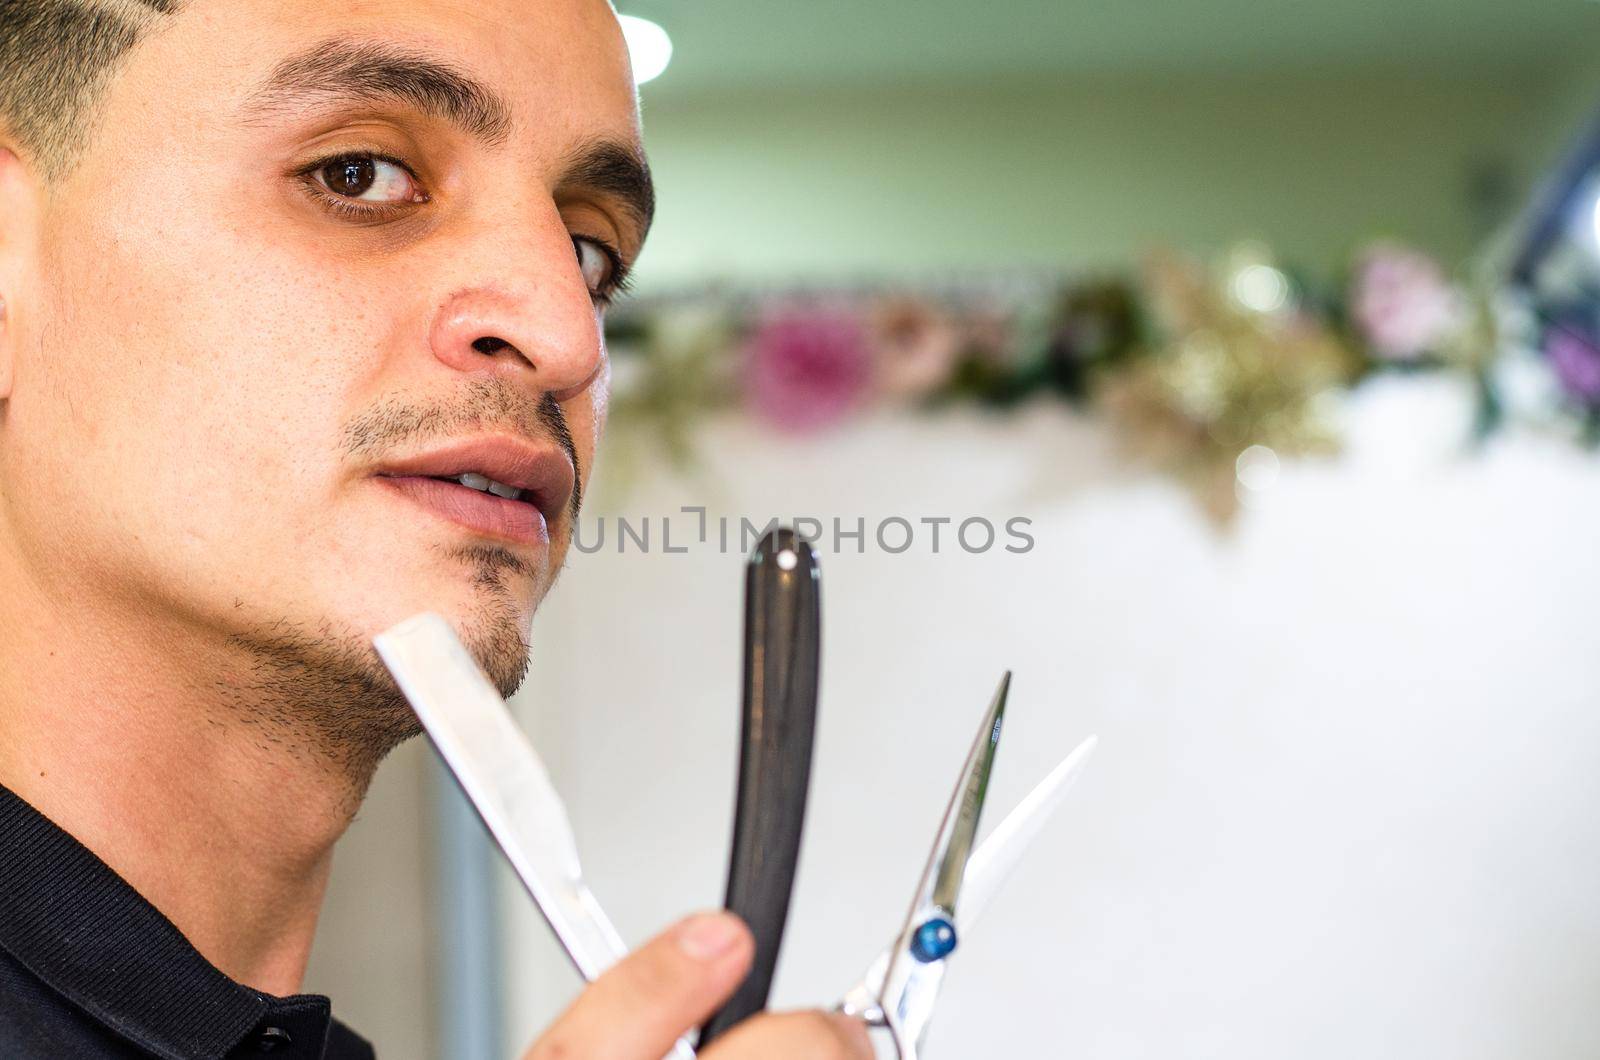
{"type": "Point", "coordinates": [226, 829]}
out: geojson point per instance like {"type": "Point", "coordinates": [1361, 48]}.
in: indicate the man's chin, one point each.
{"type": "Point", "coordinates": [495, 636]}
{"type": "Point", "coordinates": [492, 610]}
{"type": "Point", "coordinates": [319, 685]}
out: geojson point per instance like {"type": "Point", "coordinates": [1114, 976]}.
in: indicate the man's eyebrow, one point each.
{"type": "Point", "coordinates": [618, 170]}
{"type": "Point", "coordinates": [372, 71]}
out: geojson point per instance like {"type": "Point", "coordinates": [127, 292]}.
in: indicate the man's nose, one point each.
{"type": "Point", "coordinates": [532, 324]}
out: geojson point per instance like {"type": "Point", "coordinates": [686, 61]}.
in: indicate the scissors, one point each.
{"type": "Point", "coordinates": [898, 990]}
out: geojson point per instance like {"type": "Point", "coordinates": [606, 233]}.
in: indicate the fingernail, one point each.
{"type": "Point", "coordinates": [709, 935]}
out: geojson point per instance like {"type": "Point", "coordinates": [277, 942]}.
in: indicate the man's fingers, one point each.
{"type": "Point", "coordinates": [812, 1035]}
{"type": "Point", "coordinates": [640, 1006]}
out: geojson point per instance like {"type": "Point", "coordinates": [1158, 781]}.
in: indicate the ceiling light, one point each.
{"type": "Point", "coordinates": [648, 46]}
{"type": "Point", "coordinates": [1597, 218]}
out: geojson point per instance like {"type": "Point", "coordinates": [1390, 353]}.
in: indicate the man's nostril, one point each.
{"type": "Point", "coordinates": [489, 344]}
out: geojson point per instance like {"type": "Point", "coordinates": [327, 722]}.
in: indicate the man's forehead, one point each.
{"type": "Point", "coordinates": [552, 67]}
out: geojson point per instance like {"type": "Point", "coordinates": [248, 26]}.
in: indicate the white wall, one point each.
{"type": "Point", "coordinates": [1346, 796]}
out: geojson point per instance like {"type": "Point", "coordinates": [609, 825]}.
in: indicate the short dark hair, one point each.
{"type": "Point", "coordinates": [56, 59]}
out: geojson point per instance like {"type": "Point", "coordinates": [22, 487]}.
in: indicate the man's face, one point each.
{"type": "Point", "coordinates": [253, 309]}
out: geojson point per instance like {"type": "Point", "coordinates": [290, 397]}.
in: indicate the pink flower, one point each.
{"type": "Point", "coordinates": [805, 370]}
{"type": "Point", "coordinates": [1401, 302]}
{"type": "Point", "coordinates": [1576, 360]}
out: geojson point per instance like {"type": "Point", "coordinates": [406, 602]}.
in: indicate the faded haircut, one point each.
{"type": "Point", "coordinates": [56, 60]}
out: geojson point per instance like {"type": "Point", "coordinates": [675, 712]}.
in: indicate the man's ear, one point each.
{"type": "Point", "coordinates": [19, 216]}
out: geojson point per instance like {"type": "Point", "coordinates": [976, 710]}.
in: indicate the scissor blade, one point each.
{"type": "Point", "coordinates": [998, 854]}
{"type": "Point", "coordinates": [960, 831]}
{"type": "Point", "coordinates": [941, 877]}
{"type": "Point", "coordinates": [909, 983]}
{"type": "Point", "coordinates": [498, 769]}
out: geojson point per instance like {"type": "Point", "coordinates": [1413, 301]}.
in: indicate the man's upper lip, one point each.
{"type": "Point", "coordinates": [542, 470]}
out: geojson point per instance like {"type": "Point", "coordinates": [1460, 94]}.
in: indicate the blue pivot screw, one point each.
{"type": "Point", "coordinates": [934, 940]}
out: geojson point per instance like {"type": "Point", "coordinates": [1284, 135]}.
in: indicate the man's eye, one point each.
{"type": "Point", "coordinates": [598, 264]}
{"type": "Point", "coordinates": [368, 178]}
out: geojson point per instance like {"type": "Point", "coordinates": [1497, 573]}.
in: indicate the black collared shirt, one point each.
{"type": "Point", "coordinates": [89, 969]}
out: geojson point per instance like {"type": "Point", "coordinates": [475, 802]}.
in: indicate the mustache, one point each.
{"type": "Point", "coordinates": [484, 404]}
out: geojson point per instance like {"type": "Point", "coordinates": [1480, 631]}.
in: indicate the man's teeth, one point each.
{"type": "Point", "coordinates": [486, 484]}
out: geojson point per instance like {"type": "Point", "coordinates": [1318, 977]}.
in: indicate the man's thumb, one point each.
{"type": "Point", "coordinates": [641, 1005]}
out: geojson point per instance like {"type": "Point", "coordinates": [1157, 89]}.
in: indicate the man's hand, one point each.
{"type": "Point", "coordinates": [639, 1007]}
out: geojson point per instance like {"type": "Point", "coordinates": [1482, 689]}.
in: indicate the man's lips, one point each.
{"type": "Point", "coordinates": [544, 474]}
{"type": "Point", "coordinates": [518, 521]}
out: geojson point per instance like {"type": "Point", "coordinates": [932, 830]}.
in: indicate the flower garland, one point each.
{"type": "Point", "coordinates": [1194, 362]}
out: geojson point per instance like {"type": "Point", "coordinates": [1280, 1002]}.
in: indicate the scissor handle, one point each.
{"type": "Point", "coordinates": [887, 1039]}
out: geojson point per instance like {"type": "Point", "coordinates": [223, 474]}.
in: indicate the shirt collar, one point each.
{"type": "Point", "coordinates": [78, 926]}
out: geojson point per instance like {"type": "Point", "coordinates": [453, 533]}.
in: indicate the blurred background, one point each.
{"type": "Point", "coordinates": [1273, 329]}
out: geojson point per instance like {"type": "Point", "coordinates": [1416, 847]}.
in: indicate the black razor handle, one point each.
{"type": "Point", "coordinates": [782, 641]}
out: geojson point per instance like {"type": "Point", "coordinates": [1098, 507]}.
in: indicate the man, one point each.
{"type": "Point", "coordinates": [300, 334]}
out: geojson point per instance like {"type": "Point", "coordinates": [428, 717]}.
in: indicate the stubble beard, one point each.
{"type": "Point", "coordinates": [318, 692]}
